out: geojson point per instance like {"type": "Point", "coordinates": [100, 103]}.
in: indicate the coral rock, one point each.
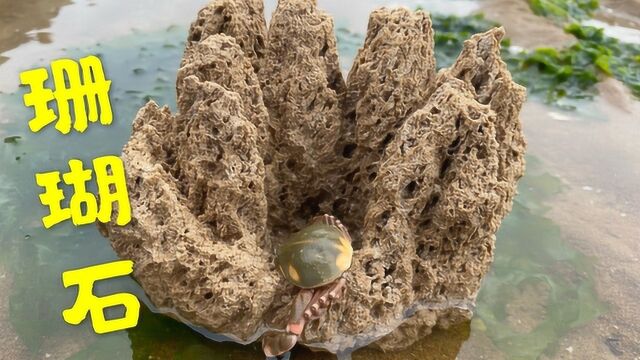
{"type": "Point", "coordinates": [240, 19]}
{"type": "Point", "coordinates": [302, 86]}
{"type": "Point", "coordinates": [422, 167]}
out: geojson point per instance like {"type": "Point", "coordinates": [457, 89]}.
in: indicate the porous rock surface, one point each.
{"type": "Point", "coordinates": [421, 166]}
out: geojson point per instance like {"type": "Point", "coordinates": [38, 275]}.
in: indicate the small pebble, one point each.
{"type": "Point", "coordinates": [587, 188]}
{"type": "Point", "coordinates": [570, 349]}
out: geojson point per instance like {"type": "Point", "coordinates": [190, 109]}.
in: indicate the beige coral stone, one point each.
{"type": "Point", "coordinates": [422, 167]}
{"type": "Point", "coordinates": [391, 78]}
{"type": "Point", "coordinates": [240, 19]}
{"type": "Point", "coordinates": [302, 86]}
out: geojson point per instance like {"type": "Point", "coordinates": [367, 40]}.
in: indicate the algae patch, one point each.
{"type": "Point", "coordinates": [574, 71]}
{"type": "Point", "coordinates": [12, 139]}
{"type": "Point", "coordinates": [557, 74]}
{"type": "Point", "coordinates": [563, 10]}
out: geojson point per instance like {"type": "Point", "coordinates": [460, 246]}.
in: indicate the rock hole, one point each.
{"type": "Point", "coordinates": [433, 201]}
{"type": "Point", "coordinates": [351, 116]}
{"type": "Point", "coordinates": [453, 147]}
{"type": "Point", "coordinates": [384, 218]}
{"type": "Point", "coordinates": [369, 269]}
{"type": "Point", "coordinates": [462, 74]}
{"type": "Point", "coordinates": [444, 167]}
{"type": "Point", "coordinates": [350, 176]}
{"type": "Point", "coordinates": [377, 311]}
{"type": "Point", "coordinates": [311, 205]}
{"type": "Point", "coordinates": [283, 194]}
{"type": "Point", "coordinates": [312, 104]}
{"type": "Point", "coordinates": [326, 107]}
{"type": "Point", "coordinates": [435, 110]}
{"type": "Point", "coordinates": [324, 49]}
{"type": "Point", "coordinates": [338, 204]}
{"type": "Point", "coordinates": [386, 95]}
{"type": "Point", "coordinates": [425, 224]}
{"type": "Point", "coordinates": [388, 271]}
{"type": "Point", "coordinates": [348, 150]}
{"type": "Point", "coordinates": [409, 190]}
{"type": "Point", "coordinates": [480, 80]}
{"type": "Point", "coordinates": [459, 121]}
{"type": "Point", "coordinates": [481, 154]}
{"type": "Point", "coordinates": [387, 139]}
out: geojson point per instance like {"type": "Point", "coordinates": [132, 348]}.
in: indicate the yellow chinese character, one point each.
{"type": "Point", "coordinates": [110, 171]}
{"type": "Point", "coordinates": [112, 188]}
{"type": "Point", "coordinates": [87, 302]}
{"type": "Point", "coordinates": [52, 197]}
{"type": "Point", "coordinates": [39, 98]}
{"type": "Point", "coordinates": [82, 92]}
{"type": "Point", "coordinates": [78, 177]}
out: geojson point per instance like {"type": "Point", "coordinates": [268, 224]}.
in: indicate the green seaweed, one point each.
{"type": "Point", "coordinates": [450, 32]}
{"type": "Point", "coordinates": [568, 73]}
{"type": "Point", "coordinates": [573, 72]}
{"type": "Point", "coordinates": [563, 10]}
{"type": "Point", "coordinates": [12, 139]}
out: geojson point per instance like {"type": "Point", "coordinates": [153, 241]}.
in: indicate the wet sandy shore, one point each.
{"type": "Point", "coordinates": [524, 28]}
{"type": "Point", "coordinates": [600, 164]}
{"type": "Point", "coordinates": [10, 344]}
{"type": "Point", "coordinates": [19, 18]}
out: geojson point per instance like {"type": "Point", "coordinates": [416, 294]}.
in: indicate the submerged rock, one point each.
{"type": "Point", "coordinates": [422, 167]}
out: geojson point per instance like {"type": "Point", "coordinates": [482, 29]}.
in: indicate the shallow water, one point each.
{"type": "Point", "coordinates": [541, 292]}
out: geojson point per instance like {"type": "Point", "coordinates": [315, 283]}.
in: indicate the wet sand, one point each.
{"type": "Point", "coordinates": [524, 28]}
{"type": "Point", "coordinates": [600, 163]}
{"type": "Point", "coordinates": [10, 344]}
{"type": "Point", "coordinates": [19, 18]}
{"type": "Point", "coordinates": [13, 348]}
{"type": "Point", "coordinates": [620, 12]}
